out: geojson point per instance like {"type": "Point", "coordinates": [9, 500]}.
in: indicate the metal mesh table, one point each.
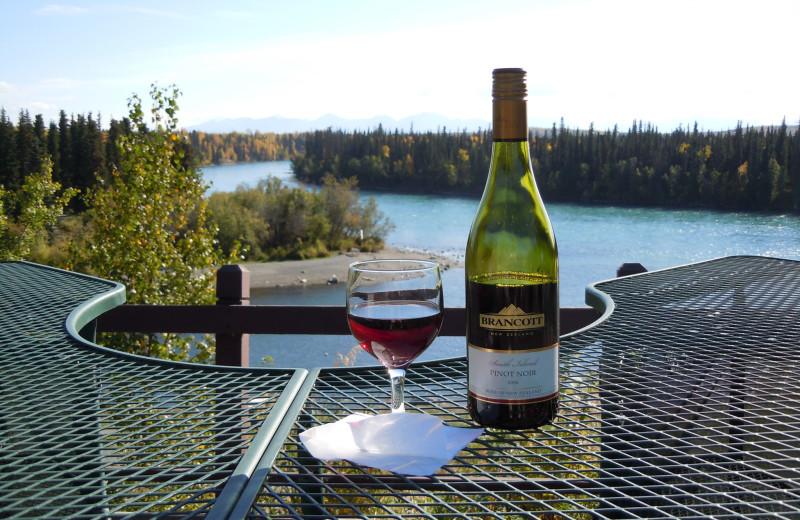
{"type": "Point", "coordinates": [89, 433]}
{"type": "Point", "coordinates": [683, 402]}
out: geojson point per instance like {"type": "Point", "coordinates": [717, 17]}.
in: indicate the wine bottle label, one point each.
{"type": "Point", "coordinates": [512, 342]}
{"type": "Point", "coordinates": [516, 377]}
{"type": "Point", "coordinates": [511, 318]}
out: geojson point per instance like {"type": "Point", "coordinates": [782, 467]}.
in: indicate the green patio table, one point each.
{"type": "Point", "coordinates": [91, 433]}
{"type": "Point", "coordinates": [680, 402]}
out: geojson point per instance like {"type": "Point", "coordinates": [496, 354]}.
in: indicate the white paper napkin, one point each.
{"type": "Point", "coordinates": [408, 443]}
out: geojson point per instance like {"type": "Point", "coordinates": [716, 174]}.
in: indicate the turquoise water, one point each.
{"type": "Point", "coordinates": [593, 241]}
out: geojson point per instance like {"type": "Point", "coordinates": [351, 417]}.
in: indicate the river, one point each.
{"type": "Point", "coordinates": [592, 241]}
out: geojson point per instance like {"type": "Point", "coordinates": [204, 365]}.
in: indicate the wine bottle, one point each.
{"type": "Point", "coordinates": [511, 279]}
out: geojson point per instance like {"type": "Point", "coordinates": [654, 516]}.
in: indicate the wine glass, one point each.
{"type": "Point", "coordinates": [394, 309]}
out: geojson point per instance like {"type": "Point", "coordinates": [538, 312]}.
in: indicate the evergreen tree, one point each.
{"type": "Point", "coordinates": [65, 174]}
{"type": "Point", "coordinates": [28, 151]}
{"type": "Point", "coordinates": [51, 145]}
{"type": "Point", "coordinates": [116, 130]}
{"type": "Point", "coordinates": [9, 164]}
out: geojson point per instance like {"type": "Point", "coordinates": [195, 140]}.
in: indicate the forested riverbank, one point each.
{"type": "Point", "coordinates": [83, 152]}
{"type": "Point", "coordinates": [745, 168]}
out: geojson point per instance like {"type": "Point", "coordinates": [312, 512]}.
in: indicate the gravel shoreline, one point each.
{"type": "Point", "coordinates": [326, 270]}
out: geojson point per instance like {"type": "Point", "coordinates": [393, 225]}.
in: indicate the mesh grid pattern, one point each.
{"type": "Point", "coordinates": [682, 404]}
{"type": "Point", "coordinates": [87, 433]}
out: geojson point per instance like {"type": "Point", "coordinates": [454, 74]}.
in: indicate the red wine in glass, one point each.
{"type": "Point", "coordinates": [395, 333]}
{"type": "Point", "coordinates": [394, 308]}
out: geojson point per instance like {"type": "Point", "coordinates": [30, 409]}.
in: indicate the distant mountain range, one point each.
{"type": "Point", "coordinates": [419, 123]}
{"type": "Point", "coordinates": [281, 125]}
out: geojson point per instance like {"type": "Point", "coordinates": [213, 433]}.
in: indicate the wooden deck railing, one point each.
{"type": "Point", "coordinates": [233, 319]}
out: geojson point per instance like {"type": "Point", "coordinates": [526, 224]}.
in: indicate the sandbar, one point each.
{"type": "Point", "coordinates": [331, 269]}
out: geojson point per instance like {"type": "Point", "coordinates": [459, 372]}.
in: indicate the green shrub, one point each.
{"type": "Point", "coordinates": [276, 222]}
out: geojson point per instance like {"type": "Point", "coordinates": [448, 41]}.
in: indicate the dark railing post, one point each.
{"type": "Point", "coordinates": [233, 289]}
{"type": "Point", "coordinates": [628, 269]}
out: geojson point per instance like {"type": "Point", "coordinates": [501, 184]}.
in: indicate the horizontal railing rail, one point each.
{"type": "Point", "coordinates": [277, 319]}
{"type": "Point", "coordinates": [233, 319]}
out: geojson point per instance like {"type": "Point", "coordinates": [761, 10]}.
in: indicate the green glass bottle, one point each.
{"type": "Point", "coordinates": [511, 279]}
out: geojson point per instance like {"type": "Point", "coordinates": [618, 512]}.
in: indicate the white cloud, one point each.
{"type": "Point", "coordinates": [41, 106]}
{"type": "Point", "coordinates": [61, 10]}
{"type": "Point", "coordinates": [58, 83]}
{"type": "Point", "coordinates": [160, 13]}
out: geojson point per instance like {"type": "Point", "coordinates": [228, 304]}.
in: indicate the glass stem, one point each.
{"type": "Point", "coordinates": [398, 378]}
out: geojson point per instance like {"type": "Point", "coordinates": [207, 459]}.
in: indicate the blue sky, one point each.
{"type": "Point", "coordinates": [603, 62]}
